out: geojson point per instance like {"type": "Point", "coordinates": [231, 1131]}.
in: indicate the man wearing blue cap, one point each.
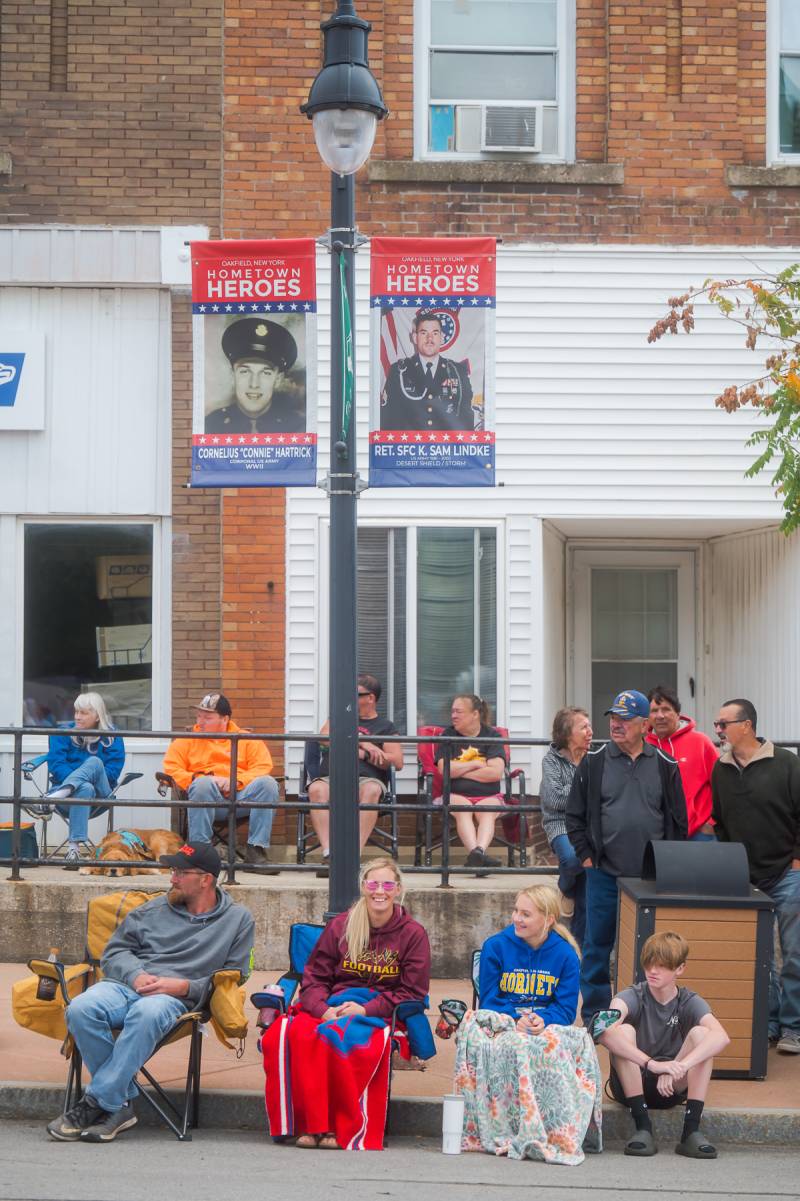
{"type": "Point", "coordinates": [624, 795]}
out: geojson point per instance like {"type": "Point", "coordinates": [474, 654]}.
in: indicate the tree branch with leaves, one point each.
{"type": "Point", "coordinates": [767, 307]}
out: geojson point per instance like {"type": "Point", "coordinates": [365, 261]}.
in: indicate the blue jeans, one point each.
{"type": "Point", "coordinates": [88, 781]}
{"type": "Point", "coordinates": [201, 821]}
{"type": "Point", "coordinates": [601, 931]}
{"type": "Point", "coordinates": [784, 989]}
{"type": "Point", "coordinates": [144, 1021]}
{"type": "Point", "coordinates": [698, 836]}
{"type": "Point", "coordinates": [572, 882]}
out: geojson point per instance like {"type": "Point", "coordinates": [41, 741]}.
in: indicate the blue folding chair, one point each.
{"type": "Point", "coordinates": [33, 807]}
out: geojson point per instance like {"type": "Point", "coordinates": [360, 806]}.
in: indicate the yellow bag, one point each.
{"type": "Point", "coordinates": [106, 913]}
{"type": "Point", "coordinates": [227, 1008]}
{"type": "Point", "coordinates": [47, 1017]}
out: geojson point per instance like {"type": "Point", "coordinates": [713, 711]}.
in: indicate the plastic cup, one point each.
{"type": "Point", "coordinates": [452, 1123]}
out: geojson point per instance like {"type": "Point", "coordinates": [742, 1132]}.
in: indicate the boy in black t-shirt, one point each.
{"type": "Point", "coordinates": [663, 1048]}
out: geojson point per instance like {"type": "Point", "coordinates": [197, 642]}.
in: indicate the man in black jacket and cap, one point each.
{"type": "Point", "coordinates": [624, 795]}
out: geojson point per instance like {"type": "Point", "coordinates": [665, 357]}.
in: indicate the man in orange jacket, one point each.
{"type": "Point", "coordinates": [202, 767]}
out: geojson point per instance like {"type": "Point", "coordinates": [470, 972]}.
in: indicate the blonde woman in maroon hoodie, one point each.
{"type": "Point", "coordinates": [375, 946]}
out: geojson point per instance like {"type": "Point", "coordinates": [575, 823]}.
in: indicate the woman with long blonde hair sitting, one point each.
{"type": "Point", "coordinates": [327, 1061]}
{"type": "Point", "coordinates": [530, 1077]}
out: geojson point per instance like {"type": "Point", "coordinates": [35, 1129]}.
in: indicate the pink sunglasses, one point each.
{"type": "Point", "coordinates": [383, 885]}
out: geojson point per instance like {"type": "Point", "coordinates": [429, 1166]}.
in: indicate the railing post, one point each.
{"type": "Point", "coordinates": [231, 869]}
{"type": "Point", "coordinates": [16, 829]}
{"type": "Point", "coordinates": [445, 880]}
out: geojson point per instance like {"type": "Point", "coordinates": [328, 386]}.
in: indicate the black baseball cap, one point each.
{"type": "Point", "coordinates": [198, 855]}
{"type": "Point", "coordinates": [257, 338]}
{"type": "Point", "coordinates": [215, 702]}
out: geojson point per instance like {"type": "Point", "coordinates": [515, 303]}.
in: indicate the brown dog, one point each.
{"type": "Point", "coordinates": [120, 846]}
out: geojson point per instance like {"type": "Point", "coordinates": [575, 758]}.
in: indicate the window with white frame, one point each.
{"type": "Point", "coordinates": [427, 618]}
{"type": "Point", "coordinates": [494, 78]}
{"type": "Point", "coordinates": [88, 623]}
{"type": "Point", "coordinates": [788, 75]}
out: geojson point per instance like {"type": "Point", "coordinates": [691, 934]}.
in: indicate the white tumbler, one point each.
{"type": "Point", "coordinates": [452, 1123]}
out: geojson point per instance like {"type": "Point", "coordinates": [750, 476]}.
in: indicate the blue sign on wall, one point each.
{"type": "Point", "coordinates": [11, 363]}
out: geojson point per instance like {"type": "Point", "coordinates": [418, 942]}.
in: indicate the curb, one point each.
{"type": "Point", "coordinates": [239, 1109]}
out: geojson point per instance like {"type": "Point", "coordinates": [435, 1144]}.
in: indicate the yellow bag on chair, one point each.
{"type": "Point", "coordinates": [47, 1017]}
{"type": "Point", "coordinates": [227, 1008]}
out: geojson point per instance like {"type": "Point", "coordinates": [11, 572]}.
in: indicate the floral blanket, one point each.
{"type": "Point", "coordinates": [528, 1096]}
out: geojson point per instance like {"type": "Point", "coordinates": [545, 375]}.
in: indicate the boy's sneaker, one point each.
{"type": "Point", "coordinates": [107, 1127]}
{"type": "Point", "coordinates": [789, 1042]}
{"type": "Point", "coordinates": [68, 1127]}
{"type": "Point", "coordinates": [72, 860]}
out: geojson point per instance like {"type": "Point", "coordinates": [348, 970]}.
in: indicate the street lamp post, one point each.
{"type": "Point", "coordinates": [344, 105]}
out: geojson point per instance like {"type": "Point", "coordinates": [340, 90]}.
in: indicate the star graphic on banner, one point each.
{"type": "Point", "coordinates": [242, 308]}
{"type": "Point", "coordinates": [473, 437]}
{"type": "Point", "coordinates": [487, 437]}
{"type": "Point", "coordinates": [253, 308]}
{"type": "Point", "coordinates": [281, 307]}
{"type": "Point", "coordinates": [390, 437]}
{"type": "Point", "coordinates": [242, 440]}
{"type": "Point", "coordinates": [307, 438]}
{"type": "Point", "coordinates": [306, 306]}
{"type": "Point", "coordinates": [488, 300]}
{"type": "Point", "coordinates": [447, 302]}
{"type": "Point", "coordinates": [202, 308]}
{"type": "Point", "coordinates": [405, 438]}
{"type": "Point", "coordinates": [445, 437]}
{"type": "Point", "coordinates": [281, 438]}
{"type": "Point", "coordinates": [228, 308]}
{"type": "Point", "coordinates": [295, 438]}
{"type": "Point", "coordinates": [474, 301]}
{"type": "Point", "coordinates": [418, 437]}
{"type": "Point", "coordinates": [203, 441]}
{"type": "Point", "coordinates": [228, 441]}
{"type": "Point", "coordinates": [215, 308]}
{"type": "Point", "coordinates": [254, 438]}
{"type": "Point", "coordinates": [215, 440]}
{"type": "Point", "coordinates": [460, 437]}
{"type": "Point", "coordinates": [405, 300]}
{"type": "Point", "coordinates": [391, 300]}
{"type": "Point", "coordinates": [294, 308]}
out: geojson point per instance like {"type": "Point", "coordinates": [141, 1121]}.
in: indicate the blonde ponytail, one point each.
{"type": "Point", "coordinates": [357, 931]}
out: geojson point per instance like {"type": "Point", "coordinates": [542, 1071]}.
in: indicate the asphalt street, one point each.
{"type": "Point", "coordinates": [148, 1163]}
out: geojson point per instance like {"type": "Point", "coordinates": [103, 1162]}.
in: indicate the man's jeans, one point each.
{"type": "Point", "coordinates": [784, 989]}
{"type": "Point", "coordinates": [89, 781]}
{"type": "Point", "coordinates": [601, 931]}
{"type": "Point", "coordinates": [201, 821]}
{"type": "Point", "coordinates": [572, 882]}
{"type": "Point", "coordinates": [108, 1006]}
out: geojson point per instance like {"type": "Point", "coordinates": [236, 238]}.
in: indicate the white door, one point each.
{"type": "Point", "coordinates": [632, 625]}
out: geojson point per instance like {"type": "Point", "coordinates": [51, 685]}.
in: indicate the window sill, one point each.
{"type": "Point", "coordinates": [460, 171]}
{"type": "Point", "coordinates": [781, 176]}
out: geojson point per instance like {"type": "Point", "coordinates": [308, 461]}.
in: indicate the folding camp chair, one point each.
{"type": "Point", "coordinates": [475, 977]}
{"type": "Point", "coordinates": [385, 833]}
{"type": "Point", "coordinates": [219, 829]}
{"type": "Point", "coordinates": [104, 914]}
{"type": "Point", "coordinates": [33, 807]}
{"type": "Point", "coordinates": [430, 788]}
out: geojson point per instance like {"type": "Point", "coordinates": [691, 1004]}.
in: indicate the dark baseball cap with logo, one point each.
{"type": "Point", "coordinates": [630, 704]}
{"type": "Point", "coordinates": [215, 702]}
{"type": "Point", "coordinates": [197, 856]}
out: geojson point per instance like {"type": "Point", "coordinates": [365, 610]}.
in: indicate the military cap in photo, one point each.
{"type": "Point", "coordinates": [257, 338]}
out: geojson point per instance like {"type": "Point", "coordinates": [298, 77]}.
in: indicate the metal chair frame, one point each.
{"type": "Point", "coordinates": [306, 838]}
{"type": "Point", "coordinates": [29, 769]}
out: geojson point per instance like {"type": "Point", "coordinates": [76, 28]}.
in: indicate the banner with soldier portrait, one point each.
{"type": "Point", "coordinates": [432, 362]}
{"type": "Point", "coordinates": [254, 307]}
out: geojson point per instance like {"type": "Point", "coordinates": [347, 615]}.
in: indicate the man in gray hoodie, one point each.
{"type": "Point", "coordinates": [157, 966]}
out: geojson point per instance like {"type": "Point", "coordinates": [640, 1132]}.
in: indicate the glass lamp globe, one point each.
{"type": "Point", "coordinates": [344, 137]}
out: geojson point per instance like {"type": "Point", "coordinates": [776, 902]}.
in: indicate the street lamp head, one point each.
{"type": "Point", "coordinates": [345, 103]}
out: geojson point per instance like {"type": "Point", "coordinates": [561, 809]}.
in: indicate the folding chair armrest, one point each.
{"type": "Point", "coordinates": [166, 784]}
{"type": "Point", "coordinates": [30, 765]}
{"type": "Point", "coordinates": [128, 778]}
{"type": "Point", "coordinates": [58, 971]}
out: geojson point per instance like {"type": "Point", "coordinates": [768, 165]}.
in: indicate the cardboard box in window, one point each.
{"type": "Point", "coordinates": [124, 646]}
{"type": "Point", "coordinates": [120, 577]}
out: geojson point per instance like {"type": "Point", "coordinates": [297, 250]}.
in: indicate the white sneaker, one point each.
{"type": "Point", "coordinates": [789, 1042]}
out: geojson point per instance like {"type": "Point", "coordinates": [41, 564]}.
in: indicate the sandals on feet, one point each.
{"type": "Point", "coordinates": [696, 1146]}
{"type": "Point", "coordinates": [641, 1143]}
{"type": "Point", "coordinates": [328, 1142]}
{"type": "Point", "coordinates": [308, 1141]}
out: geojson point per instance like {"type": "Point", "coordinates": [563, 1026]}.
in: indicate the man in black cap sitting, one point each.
{"type": "Point", "coordinates": [156, 966]}
{"type": "Point", "coordinates": [260, 352]}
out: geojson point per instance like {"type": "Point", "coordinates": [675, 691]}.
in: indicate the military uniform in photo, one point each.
{"type": "Point", "coordinates": [419, 398]}
{"type": "Point", "coordinates": [258, 340]}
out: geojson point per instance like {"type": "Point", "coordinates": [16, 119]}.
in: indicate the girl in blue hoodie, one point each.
{"type": "Point", "coordinates": [531, 969]}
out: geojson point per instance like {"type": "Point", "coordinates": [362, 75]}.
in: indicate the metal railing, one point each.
{"type": "Point", "coordinates": [17, 861]}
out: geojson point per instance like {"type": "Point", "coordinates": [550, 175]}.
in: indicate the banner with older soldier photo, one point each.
{"type": "Point", "coordinates": [254, 307]}
{"type": "Point", "coordinates": [432, 378]}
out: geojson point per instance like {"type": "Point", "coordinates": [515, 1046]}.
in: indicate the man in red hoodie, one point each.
{"type": "Point", "coordinates": [695, 753]}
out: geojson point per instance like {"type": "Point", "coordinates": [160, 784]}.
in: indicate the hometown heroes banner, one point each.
{"type": "Point", "coordinates": [254, 307]}
{"type": "Point", "coordinates": [432, 379]}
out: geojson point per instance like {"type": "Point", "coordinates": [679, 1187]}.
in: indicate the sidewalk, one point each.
{"type": "Point", "coordinates": [27, 1058]}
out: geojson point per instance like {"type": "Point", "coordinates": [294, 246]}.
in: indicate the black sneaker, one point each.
{"type": "Point", "coordinates": [106, 1128]}
{"type": "Point", "coordinates": [474, 858]}
{"type": "Point", "coordinates": [257, 857]}
{"type": "Point", "coordinates": [68, 1127]}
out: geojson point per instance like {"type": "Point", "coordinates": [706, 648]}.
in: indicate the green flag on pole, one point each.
{"type": "Point", "coordinates": [348, 374]}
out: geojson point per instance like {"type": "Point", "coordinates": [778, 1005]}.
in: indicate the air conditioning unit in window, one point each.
{"type": "Point", "coordinates": [512, 127]}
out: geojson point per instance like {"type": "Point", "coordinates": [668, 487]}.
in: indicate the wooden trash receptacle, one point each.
{"type": "Point", "coordinates": [702, 891]}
